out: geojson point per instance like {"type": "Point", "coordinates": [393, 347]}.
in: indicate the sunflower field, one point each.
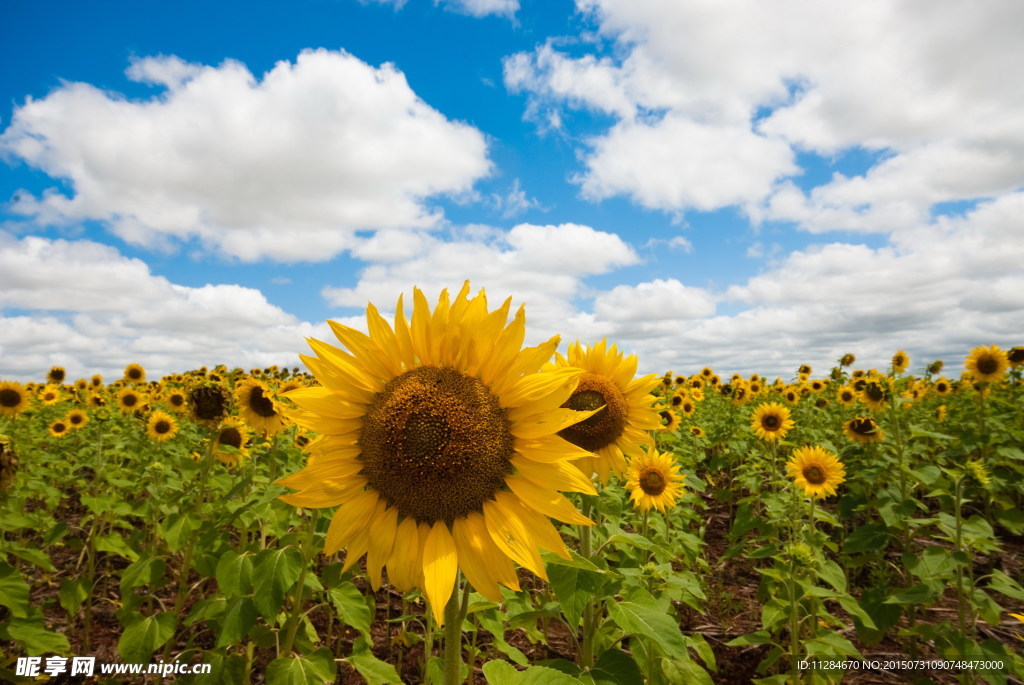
{"type": "Point", "coordinates": [434, 502]}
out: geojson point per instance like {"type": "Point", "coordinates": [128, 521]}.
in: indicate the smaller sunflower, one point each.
{"type": "Point", "coordinates": [209, 404]}
{"type": "Point", "coordinates": [129, 400]}
{"type": "Point", "coordinates": [942, 387]}
{"type": "Point", "coordinates": [669, 420]}
{"type": "Point", "coordinates": [233, 433]}
{"type": "Point", "coordinates": [804, 370]}
{"type": "Point", "coordinates": [687, 407]}
{"type": "Point", "coordinates": [873, 395]}
{"type": "Point", "coordinates": [863, 430]}
{"type": "Point", "coordinates": [900, 362]}
{"type": "Point", "coordinates": [791, 395]}
{"type": "Point", "coordinates": [940, 413]}
{"type": "Point", "coordinates": [1015, 356]}
{"type": "Point", "coordinates": [654, 481]}
{"type": "Point", "coordinates": [987, 363]}
{"type": "Point", "coordinates": [257, 406]}
{"type": "Point", "coordinates": [935, 367]}
{"type": "Point", "coordinates": [96, 400]}
{"type": "Point", "coordinates": [59, 428]}
{"type": "Point", "coordinates": [96, 381]}
{"type": "Point", "coordinates": [816, 471]}
{"type": "Point", "coordinates": [177, 400]}
{"type": "Point", "coordinates": [50, 395]}
{"type": "Point", "coordinates": [161, 426]}
{"type": "Point", "coordinates": [13, 398]}
{"type": "Point", "coordinates": [134, 373]}
{"type": "Point", "coordinates": [771, 421]}
{"type": "Point", "coordinates": [697, 431]}
{"type": "Point", "coordinates": [56, 375]}
{"type": "Point", "coordinates": [846, 396]}
{"type": "Point", "coordinates": [847, 359]}
{"type": "Point", "coordinates": [76, 418]}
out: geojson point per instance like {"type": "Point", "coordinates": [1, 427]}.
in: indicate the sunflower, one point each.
{"type": "Point", "coordinates": [129, 400]}
{"type": "Point", "coordinates": [940, 413]}
{"type": "Point", "coordinates": [771, 421]}
{"type": "Point", "coordinates": [439, 441]}
{"type": "Point", "coordinates": [209, 404]}
{"type": "Point", "coordinates": [177, 400]}
{"type": "Point", "coordinates": [900, 362]}
{"type": "Point", "coordinates": [873, 395]}
{"type": "Point", "coordinates": [687, 407]}
{"type": "Point", "coordinates": [847, 359]}
{"type": "Point", "coordinates": [13, 398]}
{"type": "Point", "coordinates": [161, 426]}
{"type": "Point", "coordinates": [669, 420]}
{"type": "Point", "coordinates": [257, 406]}
{"type": "Point", "coordinates": [791, 395]}
{"type": "Point", "coordinates": [1015, 356]}
{"type": "Point", "coordinates": [134, 373]}
{"type": "Point", "coordinates": [863, 429]}
{"type": "Point", "coordinates": [846, 396]}
{"type": "Point", "coordinates": [76, 418]}
{"type": "Point", "coordinates": [96, 381]}
{"type": "Point", "coordinates": [232, 433]}
{"type": "Point", "coordinates": [96, 400]}
{"type": "Point", "coordinates": [654, 481]}
{"type": "Point", "coordinates": [59, 428]}
{"type": "Point", "coordinates": [987, 363]}
{"type": "Point", "coordinates": [942, 387]}
{"type": "Point", "coordinates": [935, 367]}
{"type": "Point", "coordinates": [623, 405]}
{"type": "Point", "coordinates": [707, 372]}
{"type": "Point", "coordinates": [804, 370]}
{"type": "Point", "coordinates": [816, 471]}
{"type": "Point", "coordinates": [56, 375]}
{"type": "Point", "coordinates": [818, 385]}
{"type": "Point", "coordinates": [697, 431]}
{"type": "Point", "coordinates": [50, 395]}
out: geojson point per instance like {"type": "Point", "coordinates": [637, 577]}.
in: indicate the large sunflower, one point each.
{"type": "Point", "coordinates": [13, 398]}
{"type": "Point", "coordinates": [256, 404]}
{"type": "Point", "coordinates": [816, 471]}
{"type": "Point", "coordinates": [654, 481]}
{"type": "Point", "coordinates": [439, 441]}
{"type": "Point", "coordinates": [987, 363]}
{"type": "Point", "coordinates": [771, 421]}
{"type": "Point", "coordinates": [623, 404]}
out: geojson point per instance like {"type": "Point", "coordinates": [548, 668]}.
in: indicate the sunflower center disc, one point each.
{"type": "Point", "coordinates": [161, 427]}
{"type": "Point", "coordinates": [9, 398]}
{"type": "Point", "coordinates": [230, 436]}
{"type": "Point", "coordinates": [770, 422]}
{"type": "Point", "coordinates": [653, 483]}
{"type": "Point", "coordinates": [604, 427]}
{"type": "Point", "coordinates": [436, 444]}
{"type": "Point", "coordinates": [988, 365]}
{"type": "Point", "coordinates": [814, 474]}
{"type": "Point", "coordinates": [863, 426]}
{"type": "Point", "coordinates": [261, 404]}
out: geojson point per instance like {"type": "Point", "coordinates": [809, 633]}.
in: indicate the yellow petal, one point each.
{"type": "Point", "coordinates": [349, 520]}
{"type": "Point", "coordinates": [568, 477]}
{"type": "Point", "coordinates": [548, 449]}
{"type": "Point", "coordinates": [440, 567]}
{"type": "Point", "coordinates": [550, 422]}
{"type": "Point", "coordinates": [382, 538]}
{"type": "Point", "coordinates": [469, 544]}
{"type": "Point", "coordinates": [547, 502]}
{"type": "Point", "coordinates": [325, 468]}
{"type": "Point", "coordinates": [326, 493]}
{"type": "Point", "coordinates": [405, 556]}
{"type": "Point", "coordinates": [509, 533]}
{"type": "Point", "coordinates": [366, 354]}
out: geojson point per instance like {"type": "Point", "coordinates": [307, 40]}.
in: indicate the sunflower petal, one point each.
{"type": "Point", "coordinates": [350, 519]}
{"type": "Point", "coordinates": [508, 531]}
{"type": "Point", "coordinates": [440, 567]}
{"type": "Point", "coordinates": [547, 502]}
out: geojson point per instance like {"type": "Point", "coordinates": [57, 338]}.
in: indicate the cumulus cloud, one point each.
{"type": "Point", "coordinates": [92, 310]}
{"type": "Point", "coordinates": [284, 167]}
{"type": "Point", "coordinates": [482, 8]}
{"type": "Point", "coordinates": [735, 89]}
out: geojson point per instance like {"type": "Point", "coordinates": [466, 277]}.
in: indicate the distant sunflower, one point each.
{"type": "Point", "coordinates": [81, 385]}
{"type": "Point", "coordinates": [847, 359]}
{"type": "Point", "coordinates": [740, 392]}
{"type": "Point", "coordinates": [161, 426]}
{"type": "Point", "coordinates": [987, 363]}
{"type": "Point", "coordinates": [50, 395]}
{"type": "Point", "coordinates": [791, 395]}
{"type": "Point", "coordinates": [863, 429]}
{"type": "Point", "coordinates": [134, 373]}
{"type": "Point", "coordinates": [846, 396]}
{"type": "Point", "coordinates": [818, 385]}
{"type": "Point", "coordinates": [1015, 356]}
{"type": "Point", "coordinates": [771, 421]}
{"type": "Point", "coordinates": [942, 387]}
{"type": "Point", "coordinates": [697, 431]}
{"type": "Point", "coordinates": [129, 400]}
{"type": "Point", "coordinates": [935, 367]}
{"type": "Point", "coordinates": [96, 381]}
{"type": "Point", "coordinates": [232, 433]}
{"type": "Point", "coordinates": [653, 480]}
{"type": "Point", "coordinates": [13, 398]}
{"type": "Point", "coordinates": [873, 395]}
{"type": "Point", "coordinates": [177, 400]}
{"type": "Point", "coordinates": [209, 403]}
{"type": "Point", "coordinates": [439, 444]}
{"type": "Point", "coordinates": [59, 428]}
{"type": "Point", "coordinates": [97, 400]}
{"type": "Point", "coordinates": [707, 372]}
{"type": "Point", "coordinates": [804, 370]}
{"type": "Point", "coordinates": [257, 406]}
{"type": "Point", "coordinates": [669, 420]}
{"type": "Point", "coordinates": [816, 471]}
{"type": "Point", "coordinates": [900, 362]}
{"type": "Point", "coordinates": [76, 418]}
{"type": "Point", "coordinates": [687, 407]}
{"type": "Point", "coordinates": [623, 404]}
{"type": "Point", "coordinates": [56, 374]}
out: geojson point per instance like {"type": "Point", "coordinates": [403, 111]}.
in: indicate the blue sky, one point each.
{"type": "Point", "coordinates": [751, 186]}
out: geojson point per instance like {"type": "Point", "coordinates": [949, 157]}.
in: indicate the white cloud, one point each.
{"type": "Point", "coordinates": [482, 8]}
{"type": "Point", "coordinates": [286, 167]}
{"type": "Point", "coordinates": [665, 300]}
{"type": "Point", "coordinates": [93, 310]}
{"type": "Point", "coordinates": [729, 91]}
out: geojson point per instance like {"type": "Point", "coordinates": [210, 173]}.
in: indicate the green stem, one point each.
{"type": "Point", "coordinates": [454, 615]}
{"type": "Point", "coordinates": [958, 498]}
{"type": "Point", "coordinates": [307, 555]}
{"type": "Point", "coordinates": [589, 609]}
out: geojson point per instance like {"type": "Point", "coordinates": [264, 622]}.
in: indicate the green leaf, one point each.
{"type": "Point", "coordinates": [375, 671]}
{"type": "Point", "coordinates": [615, 667]}
{"type": "Point", "coordinates": [142, 638]}
{"type": "Point", "coordinates": [13, 590]}
{"type": "Point", "coordinates": [36, 557]}
{"type": "Point", "coordinates": [774, 613]}
{"type": "Point", "coordinates": [276, 570]}
{"type": "Point", "coordinates": [238, 619]}
{"type": "Point", "coordinates": [986, 606]}
{"type": "Point", "coordinates": [640, 615]}
{"type": "Point", "coordinates": [115, 544]}
{"type": "Point", "coordinates": [145, 571]}
{"type": "Point", "coordinates": [574, 587]}
{"type": "Point", "coordinates": [73, 594]}
{"type": "Point", "coordinates": [234, 573]}
{"type": "Point", "coordinates": [833, 574]}
{"type": "Point", "coordinates": [1005, 585]}
{"type": "Point", "coordinates": [491, 621]}
{"type": "Point", "coordinates": [918, 594]}
{"type": "Point", "coordinates": [317, 668]}
{"type": "Point", "coordinates": [352, 608]}
{"type": "Point", "coordinates": [934, 563]}
{"type": "Point", "coordinates": [871, 537]}
{"type": "Point", "coordinates": [761, 637]}
{"type": "Point", "coordinates": [34, 637]}
{"type": "Point", "coordinates": [504, 673]}
{"type": "Point", "coordinates": [178, 529]}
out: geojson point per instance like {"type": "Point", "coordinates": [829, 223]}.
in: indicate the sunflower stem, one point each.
{"type": "Point", "coordinates": [589, 610]}
{"type": "Point", "coordinates": [454, 615]}
{"type": "Point", "coordinates": [300, 585]}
